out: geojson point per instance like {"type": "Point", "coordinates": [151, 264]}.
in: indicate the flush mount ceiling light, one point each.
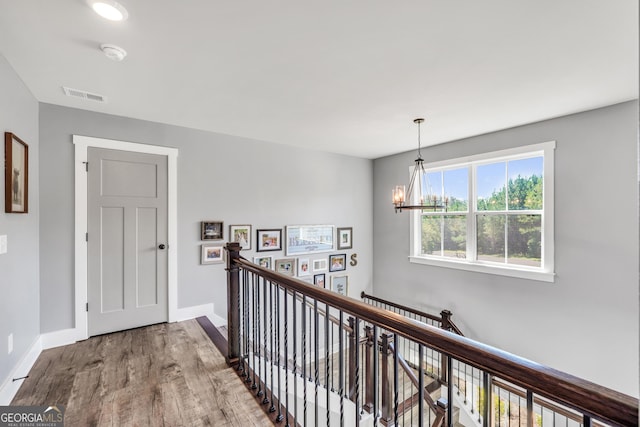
{"type": "Point", "coordinates": [424, 199]}
{"type": "Point", "coordinates": [113, 52]}
{"type": "Point", "coordinates": [109, 9]}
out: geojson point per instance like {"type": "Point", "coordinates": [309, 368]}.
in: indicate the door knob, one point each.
{"type": "Point", "coordinates": [161, 246]}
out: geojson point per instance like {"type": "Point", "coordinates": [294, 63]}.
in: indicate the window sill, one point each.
{"type": "Point", "coordinates": [520, 273]}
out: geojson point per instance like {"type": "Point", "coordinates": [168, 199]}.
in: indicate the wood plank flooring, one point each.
{"type": "Point", "coordinates": [160, 375]}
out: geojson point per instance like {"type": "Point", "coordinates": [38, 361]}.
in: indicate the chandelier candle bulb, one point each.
{"type": "Point", "coordinates": [398, 195]}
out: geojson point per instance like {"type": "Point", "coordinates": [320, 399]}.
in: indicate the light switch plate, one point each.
{"type": "Point", "coordinates": [3, 244]}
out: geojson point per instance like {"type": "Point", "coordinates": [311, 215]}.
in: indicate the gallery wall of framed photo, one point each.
{"type": "Point", "coordinates": [317, 254]}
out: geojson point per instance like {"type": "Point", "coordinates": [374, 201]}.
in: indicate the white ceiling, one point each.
{"type": "Point", "coordinates": [340, 76]}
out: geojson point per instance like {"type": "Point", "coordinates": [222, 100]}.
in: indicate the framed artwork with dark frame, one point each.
{"type": "Point", "coordinates": [16, 174]}
{"type": "Point", "coordinates": [211, 230]}
{"type": "Point", "coordinates": [345, 238]}
{"type": "Point", "coordinates": [319, 280]}
{"type": "Point", "coordinates": [269, 240]}
{"type": "Point", "coordinates": [212, 254]}
{"type": "Point", "coordinates": [241, 234]}
{"type": "Point", "coordinates": [337, 262]}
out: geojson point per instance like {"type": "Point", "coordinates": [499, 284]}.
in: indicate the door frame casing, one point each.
{"type": "Point", "coordinates": [82, 144]}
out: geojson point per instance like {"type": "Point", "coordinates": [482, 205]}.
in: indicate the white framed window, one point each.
{"type": "Point", "coordinates": [497, 217]}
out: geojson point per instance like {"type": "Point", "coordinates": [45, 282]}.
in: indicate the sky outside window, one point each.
{"type": "Point", "coordinates": [491, 178]}
{"type": "Point", "coordinates": [456, 188]}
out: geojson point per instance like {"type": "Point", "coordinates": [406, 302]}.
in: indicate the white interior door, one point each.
{"type": "Point", "coordinates": [127, 240]}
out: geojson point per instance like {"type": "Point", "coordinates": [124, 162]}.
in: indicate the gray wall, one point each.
{"type": "Point", "coordinates": [19, 279]}
{"type": "Point", "coordinates": [220, 177]}
{"type": "Point", "coordinates": [586, 323]}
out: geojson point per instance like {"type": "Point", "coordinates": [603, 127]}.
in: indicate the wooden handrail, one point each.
{"type": "Point", "coordinates": [594, 400]}
{"type": "Point", "coordinates": [401, 307]}
{"type": "Point", "coordinates": [453, 327]}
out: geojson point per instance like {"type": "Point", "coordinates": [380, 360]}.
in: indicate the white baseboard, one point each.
{"type": "Point", "coordinates": [60, 338]}
{"type": "Point", "coordinates": [9, 388]}
{"type": "Point", "coordinates": [187, 313]}
{"type": "Point", "coordinates": [218, 321]}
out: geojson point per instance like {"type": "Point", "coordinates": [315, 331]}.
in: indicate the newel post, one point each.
{"type": "Point", "coordinates": [446, 325]}
{"type": "Point", "coordinates": [387, 402]}
{"type": "Point", "coordinates": [368, 368]}
{"type": "Point", "coordinates": [233, 303]}
{"type": "Point", "coordinates": [446, 320]}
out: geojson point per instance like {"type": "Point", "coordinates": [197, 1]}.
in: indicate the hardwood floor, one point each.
{"type": "Point", "coordinates": [160, 375]}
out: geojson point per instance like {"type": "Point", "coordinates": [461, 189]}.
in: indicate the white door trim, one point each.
{"type": "Point", "coordinates": [82, 143]}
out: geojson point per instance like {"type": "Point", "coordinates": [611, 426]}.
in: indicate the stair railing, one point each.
{"type": "Point", "coordinates": [444, 321]}
{"type": "Point", "coordinates": [510, 398]}
{"type": "Point", "coordinates": [264, 312]}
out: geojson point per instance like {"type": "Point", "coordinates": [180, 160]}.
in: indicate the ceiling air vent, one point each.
{"type": "Point", "coordinates": [77, 93]}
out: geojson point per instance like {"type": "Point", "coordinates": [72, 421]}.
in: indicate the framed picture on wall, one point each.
{"type": "Point", "coordinates": [337, 262]}
{"type": "Point", "coordinates": [212, 254]}
{"type": "Point", "coordinates": [319, 280]}
{"type": "Point", "coordinates": [269, 240]}
{"type": "Point", "coordinates": [340, 284]}
{"type": "Point", "coordinates": [264, 261]}
{"type": "Point", "coordinates": [211, 230]}
{"type": "Point", "coordinates": [286, 266]}
{"type": "Point", "coordinates": [16, 174]}
{"type": "Point", "coordinates": [306, 239]}
{"type": "Point", "coordinates": [320, 264]}
{"type": "Point", "coordinates": [303, 267]}
{"type": "Point", "coordinates": [344, 238]}
{"type": "Point", "coordinates": [241, 234]}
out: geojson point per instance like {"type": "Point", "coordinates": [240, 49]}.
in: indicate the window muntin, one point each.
{"type": "Point", "coordinates": [507, 227]}
{"type": "Point", "coordinates": [444, 235]}
{"type": "Point", "coordinates": [450, 187]}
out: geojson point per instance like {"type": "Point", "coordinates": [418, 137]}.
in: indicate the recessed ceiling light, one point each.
{"type": "Point", "coordinates": [109, 9]}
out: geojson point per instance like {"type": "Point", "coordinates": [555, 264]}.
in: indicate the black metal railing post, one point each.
{"type": "Point", "coordinates": [487, 406]}
{"type": "Point", "coordinates": [233, 304]}
{"type": "Point", "coordinates": [449, 407]}
{"type": "Point", "coordinates": [352, 362]}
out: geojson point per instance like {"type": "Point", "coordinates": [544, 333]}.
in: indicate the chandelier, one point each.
{"type": "Point", "coordinates": [424, 197]}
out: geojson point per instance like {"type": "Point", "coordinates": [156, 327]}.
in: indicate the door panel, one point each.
{"type": "Point", "coordinates": [127, 221]}
{"type": "Point", "coordinates": [117, 179]}
{"type": "Point", "coordinates": [112, 289]}
{"type": "Point", "coordinates": [146, 275]}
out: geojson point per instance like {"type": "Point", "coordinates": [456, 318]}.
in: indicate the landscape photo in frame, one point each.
{"type": "Point", "coordinates": [16, 178]}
